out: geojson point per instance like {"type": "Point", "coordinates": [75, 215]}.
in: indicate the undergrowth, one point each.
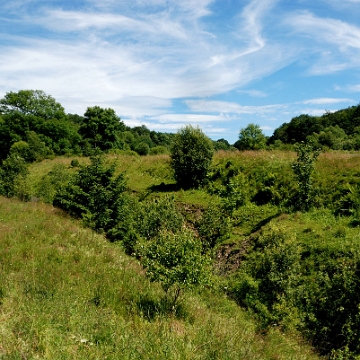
{"type": "Point", "coordinates": [67, 293]}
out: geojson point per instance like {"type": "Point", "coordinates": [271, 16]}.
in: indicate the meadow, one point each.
{"type": "Point", "coordinates": [283, 278]}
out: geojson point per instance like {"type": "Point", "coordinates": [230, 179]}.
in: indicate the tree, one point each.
{"type": "Point", "coordinates": [101, 128]}
{"type": "Point", "coordinates": [176, 261]}
{"type": "Point", "coordinates": [32, 111]}
{"type": "Point", "coordinates": [191, 156]}
{"type": "Point", "coordinates": [32, 102]}
{"type": "Point", "coordinates": [251, 138]}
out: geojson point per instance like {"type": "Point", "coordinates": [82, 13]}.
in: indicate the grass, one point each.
{"type": "Point", "coordinates": [67, 293]}
{"type": "Point", "coordinates": [323, 235]}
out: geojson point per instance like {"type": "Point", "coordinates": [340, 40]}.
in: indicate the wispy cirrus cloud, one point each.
{"type": "Point", "coordinates": [328, 101]}
{"type": "Point", "coordinates": [165, 63]}
{"type": "Point", "coordinates": [335, 43]}
{"type": "Point", "coordinates": [231, 107]}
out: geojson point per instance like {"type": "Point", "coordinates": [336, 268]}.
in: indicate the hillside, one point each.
{"type": "Point", "coordinates": [293, 269]}
{"type": "Point", "coordinates": [67, 293]}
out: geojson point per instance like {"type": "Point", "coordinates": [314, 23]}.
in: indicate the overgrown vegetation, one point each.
{"type": "Point", "coordinates": [279, 233]}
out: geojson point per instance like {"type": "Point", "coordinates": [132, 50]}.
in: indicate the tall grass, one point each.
{"type": "Point", "coordinates": [67, 293]}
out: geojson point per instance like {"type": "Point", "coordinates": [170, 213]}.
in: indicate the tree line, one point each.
{"type": "Point", "coordinates": [35, 126]}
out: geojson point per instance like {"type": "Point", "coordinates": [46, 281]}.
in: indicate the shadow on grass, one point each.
{"type": "Point", "coordinates": [354, 223]}
{"type": "Point", "coordinates": [150, 308]}
{"type": "Point", "coordinates": [262, 223]}
{"type": "Point", "coordinates": [164, 187]}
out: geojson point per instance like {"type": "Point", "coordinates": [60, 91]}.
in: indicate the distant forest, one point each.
{"type": "Point", "coordinates": [35, 126]}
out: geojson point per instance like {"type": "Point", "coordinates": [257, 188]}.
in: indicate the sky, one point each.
{"type": "Point", "coordinates": [216, 64]}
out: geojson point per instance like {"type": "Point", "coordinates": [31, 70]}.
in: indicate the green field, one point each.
{"type": "Point", "coordinates": [282, 278]}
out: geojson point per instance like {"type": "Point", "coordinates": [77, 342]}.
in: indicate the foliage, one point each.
{"type": "Point", "coordinates": [94, 195]}
{"type": "Point", "coordinates": [251, 138]}
{"type": "Point", "coordinates": [31, 102]}
{"type": "Point", "coordinates": [191, 156]}
{"type": "Point", "coordinates": [221, 144]}
{"type": "Point", "coordinates": [101, 129]}
{"type": "Point", "coordinates": [158, 215]}
{"type": "Point", "coordinates": [31, 150]}
{"type": "Point", "coordinates": [305, 280]}
{"type": "Point", "coordinates": [176, 261]}
{"type": "Point", "coordinates": [33, 117]}
{"type": "Point", "coordinates": [142, 148]}
{"type": "Point", "coordinates": [47, 188]}
{"type": "Point", "coordinates": [158, 150]}
{"type": "Point", "coordinates": [213, 226]}
{"type": "Point", "coordinates": [303, 169]}
{"type": "Point", "coordinates": [267, 278]}
{"type": "Point", "coordinates": [13, 172]}
{"type": "Point", "coordinates": [65, 293]}
{"type": "Point", "coordinates": [336, 130]}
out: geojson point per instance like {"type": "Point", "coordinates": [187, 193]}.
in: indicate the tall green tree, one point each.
{"type": "Point", "coordinates": [32, 102]}
{"type": "Point", "coordinates": [101, 129]}
{"type": "Point", "coordinates": [251, 138]}
{"type": "Point", "coordinates": [32, 111]}
{"type": "Point", "coordinates": [191, 156]}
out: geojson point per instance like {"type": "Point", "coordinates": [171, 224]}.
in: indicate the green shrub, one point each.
{"type": "Point", "coordinates": [176, 261]}
{"type": "Point", "coordinates": [213, 226]}
{"type": "Point", "coordinates": [13, 173]}
{"type": "Point", "coordinates": [191, 156]}
{"type": "Point", "coordinates": [142, 149]}
{"type": "Point", "coordinates": [52, 182]}
{"type": "Point", "coordinates": [158, 215]}
{"type": "Point", "coordinates": [159, 150]}
{"type": "Point", "coordinates": [303, 169]}
{"type": "Point", "coordinates": [94, 195]}
{"type": "Point", "coordinates": [268, 277]}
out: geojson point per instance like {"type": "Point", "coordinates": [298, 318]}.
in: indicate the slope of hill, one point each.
{"type": "Point", "coordinates": [67, 293]}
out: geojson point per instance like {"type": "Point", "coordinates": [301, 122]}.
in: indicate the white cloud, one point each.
{"type": "Point", "coordinates": [327, 101]}
{"type": "Point", "coordinates": [354, 88]}
{"type": "Point", "coordinates": [189, 118]}
{"type": "Point", "coordinates": [327, 30]}
{"type": "Point", "coordinates": [230, 107]}
{"type": "Point", "coordinates": [253, 93]}
{"type": "Point", "coordinates": [337, 43]}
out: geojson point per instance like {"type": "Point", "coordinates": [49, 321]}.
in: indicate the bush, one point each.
{"type": "Point", "coordinates": [191, 156]}
{"type": "Point", "coordinates": [155, 216]}
{"type": "Point", "coordinates": [13, 173]}
{"type": "Point", "coordinates": [268, 277]}
{"type": "Point", "coordinates": [142, 149]}
{"type": "Point", "coordinates": [303, 169]}
{"type": "Point", "coordinates": [159, 150]}
{"type": "Point", "coordinates": [95, 196]}
{"type": "Point", "coordinates": [176, 261]}
{"type": "Point", "coordinates": [48, 186]}
{"type": "Point", "coordinates": [213, 226]}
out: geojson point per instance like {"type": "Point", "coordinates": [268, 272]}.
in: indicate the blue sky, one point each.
{"type": "Point", "coordinates": [165, 63]}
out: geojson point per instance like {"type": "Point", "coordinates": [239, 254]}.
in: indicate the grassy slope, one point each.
{"type": "Point", "coordinates": [335, 174]}
{"type": "Point", "coordinates": [67, 293]}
